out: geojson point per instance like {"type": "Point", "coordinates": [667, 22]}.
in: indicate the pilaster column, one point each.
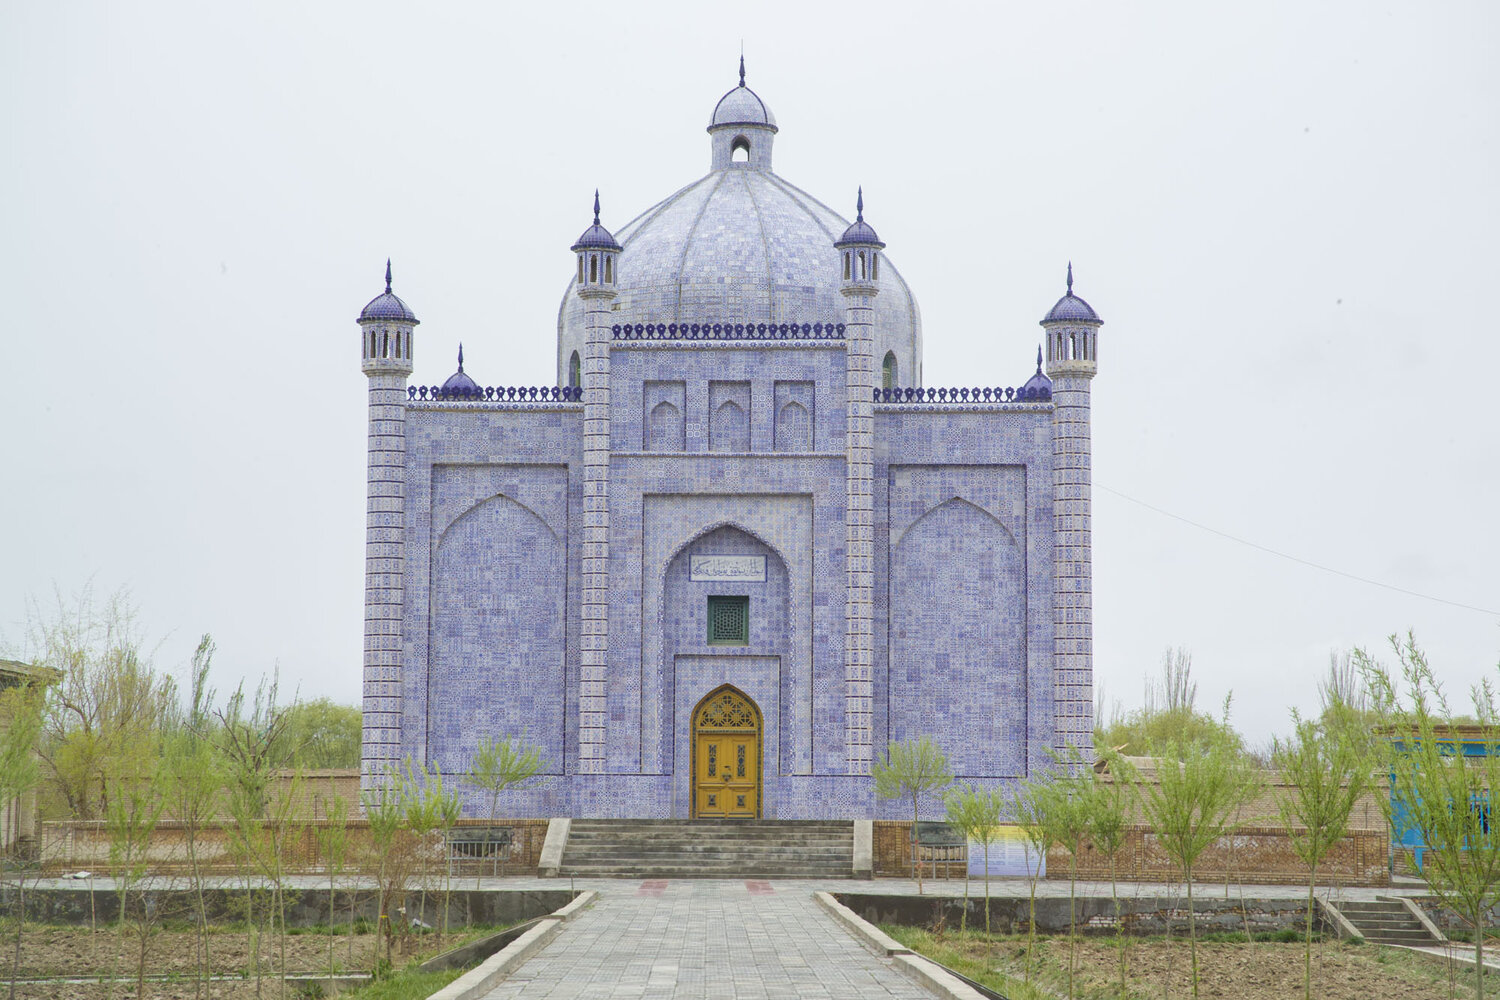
{"type": "Point", "coordinates": [593, 692]}
{"type": "Point", "coordinates": [859, 525]}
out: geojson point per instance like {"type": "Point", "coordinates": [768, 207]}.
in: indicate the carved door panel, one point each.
{"type": "Point", "coordinates": [726, 757]}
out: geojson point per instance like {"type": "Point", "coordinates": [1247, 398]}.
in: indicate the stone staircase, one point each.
{"type": "Point", "coordinates": [1386, 921]}
{"type": "Point", "coordinates": [667, 848]}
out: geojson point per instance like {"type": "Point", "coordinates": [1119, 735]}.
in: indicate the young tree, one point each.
{"type": "Point", "coordinates": [1437, 788]}
{"type": "Point", "coordinates": [1068, 813]}
{"type": "Point", "coordinates": [193, 789]}
{"type": "Point", "coordinates": [976, 813]}
{"type": "Point", "coordinates": [250, 742]}
{"type": "Point", "coordinates": [134, 803]}
{"type": "Point", "coordinates": [1198, 790]}
{"type": "Point", "coordinates": [498, 765]}
{"type": "Point", "coordinates": [1325, 773]}
{"type": "Point", "coordinates": [107, 699]}
{"type": "Point", "coordinates": [20, 724]}
{"type": "Point", "coordinates": [384, 805]}
{"type": "Point", "coordinates": [912, 769]}
{"type": "Point", "coordinates": [1030, 810]}
{"type": "Point", "coordinates": [333, 848]}
{"type": "Point", "coordinates": [1110, 806]}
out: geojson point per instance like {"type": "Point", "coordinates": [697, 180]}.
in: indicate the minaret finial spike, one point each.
{"type": "Point", "coordinates": [1070, 277]}
{"type": "Point", "coordinates": [596, 207]}
{"type": "Point", "coordinates": [742, 64]}
{"type": "Point", "coordinates": [1038, 359]}
{"type": "Point", "coordinates": [460, 355]}
{"type": "Point", "coordinates": [388, 276]}
{"type": "Point", "coordinates": [859, 204]}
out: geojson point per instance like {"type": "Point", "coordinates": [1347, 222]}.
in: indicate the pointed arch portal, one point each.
{"type": "Point", "coordinates": [726, 756]}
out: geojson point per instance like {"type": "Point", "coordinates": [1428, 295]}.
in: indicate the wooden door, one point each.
{"type": "Point", "coordinates": [726, 756]}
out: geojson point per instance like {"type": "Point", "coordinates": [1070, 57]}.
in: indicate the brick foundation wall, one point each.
{"type": "Point", "coordinates": [84, 846]}
{"type": "Point", "coordinates": [1256, 854]}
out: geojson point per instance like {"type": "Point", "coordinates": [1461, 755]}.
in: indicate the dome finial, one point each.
{"type": "Point", "coordinates": [1038, 359]}
{"type": "Point", "coordinates": [1070, 277]}
{"type": "Point", "coordinates": [460, 355]}
{"type": "Point", "coordinates": [387, 275]}
{"type": "Point", "coordinates": [596, 222]}
{"type": "Point", "coordinates": [859, 205]}
{"type": "Point", "coordinates": [742, 69]}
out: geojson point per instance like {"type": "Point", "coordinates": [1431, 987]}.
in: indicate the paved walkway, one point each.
{"type": "Point", "coordinates": [705, 938]}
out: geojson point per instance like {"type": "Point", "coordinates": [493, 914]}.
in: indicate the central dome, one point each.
{"type": "Point", "coordinates": [742, 245]}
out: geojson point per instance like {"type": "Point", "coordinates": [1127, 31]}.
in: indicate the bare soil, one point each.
{"type": "Point", "coordinates": [1158, 968]}
{"type": "Point", "coordinates": [54, 951]}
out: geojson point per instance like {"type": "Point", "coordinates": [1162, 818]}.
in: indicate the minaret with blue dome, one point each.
{"type": "Point", "coordinates": [386, 326]}
{"type": "Point", "coordinates": [598, 260]}
{"type": "Point", "coordinates": [1072, 332]}
{"type": "Point", "coordinates": [859, 249]}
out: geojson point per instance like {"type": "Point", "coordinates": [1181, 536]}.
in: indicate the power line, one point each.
{"type": "Point", "coordinates": [1296, 559]}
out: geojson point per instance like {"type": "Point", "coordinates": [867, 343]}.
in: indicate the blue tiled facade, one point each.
{"type": "Point", "coordinates": [530, 563]}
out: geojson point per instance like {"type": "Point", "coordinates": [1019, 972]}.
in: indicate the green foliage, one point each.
{"type": "Point", "coordinates": [1445, 796]}
{"type": "Point", "coordinates": [1168, 715]}
{"type": "Point", "coordinates": [1325, 768]}
{"type": "Point", "coordinates": [322, 734]}
{"type": "Point", "coordinates": [912, 768]}
{"type": "Point", "coordinates": [977, 814]}
{"type": "Point", "coordinates": [108, 703]}
{"type": "Point", "coordinates": [1108, 808]}
{"type": "Point", "coordinates": [509, 762]}
{"type": "Point", "coordinates": [1198, 792]}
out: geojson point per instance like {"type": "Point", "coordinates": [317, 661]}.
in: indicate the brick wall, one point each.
{"type": "Point", "coordinates": [84, 846]}
{"type": "Point", "coordinates": [1256, 854]}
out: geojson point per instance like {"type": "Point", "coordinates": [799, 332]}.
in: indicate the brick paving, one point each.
{"type": "Point", "coordinates": [702, 938]}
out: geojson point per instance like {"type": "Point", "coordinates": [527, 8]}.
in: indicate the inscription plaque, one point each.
{"type": "Point", "coordinates": [727, 569]}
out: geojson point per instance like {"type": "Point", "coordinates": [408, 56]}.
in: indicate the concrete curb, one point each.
{"type": "Point", "coordinates": [931, 975]}
{"type": "Point", "coordinates": [935, 978]}
{"type": "Point", "coordinates": [483, 978]}
{"type": "Point", "coordinates": [550, 862]}
{"type": "Point", "coordinates": [865, 932]}
{"type": "Point", "coordinates": [1336, 917]}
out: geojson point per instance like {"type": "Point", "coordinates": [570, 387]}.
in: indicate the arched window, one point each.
{"type": "Point", "coordinates": [580, 270]}
{"type": "Point", "coordinates": [593, 267]}
{"type": "Point", "coordinates": [874, 266]}
{"type": "Point", "coordinates": [575, 371]}
{"type": "Point", "coordinates": [739, 149]}
{"type": "Point", "coordinates": [609, 268]}
{"type": "Point", "coordinates": [888, 371]}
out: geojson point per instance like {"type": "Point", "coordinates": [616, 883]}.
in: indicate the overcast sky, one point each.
{"type": "Point", "coordinates": [1286, 213]}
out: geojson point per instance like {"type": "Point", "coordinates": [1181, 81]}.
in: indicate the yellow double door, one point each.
{"type": "Point", "coordinates": [726, 775]}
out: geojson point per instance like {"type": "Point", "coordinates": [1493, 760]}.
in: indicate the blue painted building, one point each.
{"type": "Point", "coordinates": [738, 546]}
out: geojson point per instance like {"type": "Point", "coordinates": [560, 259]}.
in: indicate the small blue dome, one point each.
{"type": "Point", "coordinates": [387, 307]}
{"type": "Point", "coordinates": [596, 237]}
{"type": "Point", "coordinates": [1039, 386]}
{"type": "Point", "coordinates": [458, 383]}
{"type": "Point", "coordinates": [1070, 308]}
{"type": "Point", "coordinates": [741, 106]}
{"type": "Point", "coordinates": [860, 231]}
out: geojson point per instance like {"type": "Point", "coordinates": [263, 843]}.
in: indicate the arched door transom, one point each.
{"type": "Point", "coordinates": [726, 756]}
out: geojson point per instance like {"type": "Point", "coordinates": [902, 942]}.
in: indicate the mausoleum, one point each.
{"type": "Point", "coordinates": [737, 546]}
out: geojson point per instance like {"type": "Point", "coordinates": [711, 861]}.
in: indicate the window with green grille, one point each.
{"type": "Point", "coordinates": [729, 621]}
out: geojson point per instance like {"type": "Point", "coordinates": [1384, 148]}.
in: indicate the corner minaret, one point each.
{"type": "Point", "coordinates": [385, 329]}
{"type": "Point", "coordinates": [1072, 332]}
{"type": "Point", "coordinates": [859, 254]}
{"type": "Point", "coordinates": [598, 261]}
